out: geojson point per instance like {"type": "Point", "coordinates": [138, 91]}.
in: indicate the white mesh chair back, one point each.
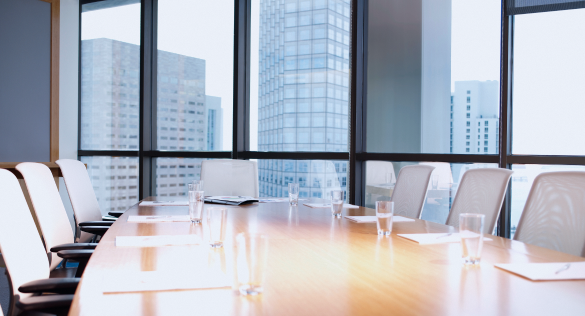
{"type": "Point", "coordinates": [376, 172]}
{"type": "Point", "coordinates": [554, 214]}
{"type": "Point", "coordinates": [22, 248]}
{"type": "Point", "coordinates": [410, 191]}
{"type": "Point", "coordinates": [48, 206]}
{"type": "Point", "coordinates": [480, 191]}
{"type": "Point", "coordinates": [230, 177]}
{"type": "Point", "coordinates": [83, 199]}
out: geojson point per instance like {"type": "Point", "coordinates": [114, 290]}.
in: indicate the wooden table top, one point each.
{"type": "Point", "coordinates": [320, 265]}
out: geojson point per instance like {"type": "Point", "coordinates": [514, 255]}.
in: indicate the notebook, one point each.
{"type": "Point", "coordinates": [230, 200]}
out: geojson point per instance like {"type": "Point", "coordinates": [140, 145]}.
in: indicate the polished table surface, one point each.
{"type": "Point", "coordinates": [320, 265]}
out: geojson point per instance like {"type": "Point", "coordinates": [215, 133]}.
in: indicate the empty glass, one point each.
{"type": "Point", "coordinates": [337, 198]}
{"type": "Point", "coordinates": [196, 200]}
{"type": "Point", "coordinates": [471, 232]}
{"type": "Point", "coordinates": [293, 193]}
{"type": "Point", "coordinates": [384, 215]}
{"type": "Point", "coordinates": [435, 182]}
{"type": "Point", "coordinates": [389, 176]}
{"type": "Point", "coordinates": [251, 257]}
{"type": "Point", "coordinates": [197, 185]}
{"type": "Point", "coordinates": [216, 224]}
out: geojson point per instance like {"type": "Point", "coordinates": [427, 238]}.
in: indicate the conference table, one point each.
{"type": "Point", "coordinates": [321, 265]}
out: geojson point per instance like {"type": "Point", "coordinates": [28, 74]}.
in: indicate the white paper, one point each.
{"type": "Point", "coordinates": [327, 205]}
{"type": "Point", "coordinates": [157, 241]}
{"type": "Point", "coordinates": [144, 281]}
{"type": "Point", "coordinates": [373, 219]}
{"type": "Point", "coordinates": [275, 200]}
{"type": "Point", "coordinates": [159, 219]}
{"type": "Point", "coordinates": [547, 271]}
{"type": "Point", "coordinates": [440, 238]}
{"type": "Point", "coordinates": [164, 203]}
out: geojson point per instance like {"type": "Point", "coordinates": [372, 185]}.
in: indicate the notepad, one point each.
{"type": "Point", "coordinates": [146, 281]}
{"type": "Point", "coordinates": [157, 241]}
{"type": "Point", "coordinates": [159, 219]}
{"type": "Point", "coordinates": [164, 203]}
{"type": "Point", "coordinates": [547, 271]}
{"type": "Point", "coordinates": [373, 219]}
{"type": "Point", "coordinates": [440, 238]}
{"type": "Point", "coordinates": [327, 205]}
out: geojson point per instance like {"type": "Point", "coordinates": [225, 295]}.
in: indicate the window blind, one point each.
{"type": "Point", "coordinates": [514, 7]}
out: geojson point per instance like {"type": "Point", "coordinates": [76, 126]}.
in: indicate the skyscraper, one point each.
{"type": "Point", "coordinates": [303, 92]}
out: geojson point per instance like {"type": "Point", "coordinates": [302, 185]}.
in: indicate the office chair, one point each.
{"type": "Point", "coordinates": [230, 177]}
{"type": "Point", "coordinates": [554, 214]}
{"type": "Point", "coordinates": [51, 213]}
{"type": "Point", "coordinates": [26, 261]}
{"type": "Point", "coordinates": [85, 205]}
{"type": "Point", "coordinates": [410, 191]}
{"type": "Point", "coordinates": [480, 191]}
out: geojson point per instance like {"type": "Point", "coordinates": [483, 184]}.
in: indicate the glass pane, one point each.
{"type": "Point", "coordinates": [110, 75]}
{"type": "Point", "coordinates": [299, 91]}
{"type": "Point", "coordinates": [114, 180]}
{"type": "Point", "coordinates": [548, 98]}
{"type": "Point", "coordinates": [381, 179]}
{"type": "Point", "coordinates": [522, 180]}
{"type": "Point", "coordinates": [433, 71]}
{"type": "Point", "coordinates": [195, 75]}
{"type": "Point", "coordinates": [316, 178]}
{"type": "Point", "coordinates": [173, 175]}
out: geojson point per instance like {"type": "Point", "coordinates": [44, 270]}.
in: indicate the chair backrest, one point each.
{"type": "Point", "coordinates": [48, 206]}
{"type": "Point", "coordinates": [22, 248]}
{"type": "Point", "coordinates": [230, 177]}
{"type": "Point", "coordinates": [554, 214]}
{"type": "Point", "coordinates": [376, 172]}
{"type": "Point", "coordinates": [410, 191]}
{"type": "Point", "coordinates": [83, 199]}
{"type": "Point", "coordinates": [480, 191]}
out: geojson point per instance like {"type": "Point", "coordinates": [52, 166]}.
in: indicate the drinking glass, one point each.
{"type": "Point", "coordinates": [196, 201]}
{"type": "Point", "coordinates": [384, 215]}
{"type": "Point", "coordinates": [197, 185]}
{"type": "Point", "coordinates": [471, 232]}
{"type": "Point", "coordinates": [216, 222]}
{"type": "Point", "coordinates": [337, 198]}
{"type": "Point", "coordinates": [293, 193]}
{"type": "Point", "coordinates": [251, 257]}
{"type": "Point", "coordinates": [389, 178]}
{"type": "Point", "coordinates": [435, 182]}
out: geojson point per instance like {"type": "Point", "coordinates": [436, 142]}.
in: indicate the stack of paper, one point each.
{"type": "Point", "coordinates": [159, 219]}
{"type": "Point", "coordinates": [547, 271]}
{"type": "Point", "coordinates": [164, 203]}
{"type": "Point", "coordinates": [373, 219]}
{"type": "Point", "coordinates": [157, 241]}
{"type": "Point", "coordinates": [143, 281]}
{"type": "Point", "coordinates": [275, 200]}
{"type": "Point", "coordinates": [327, 205]}
{"type": "Point", "coordinates": [429, 239]}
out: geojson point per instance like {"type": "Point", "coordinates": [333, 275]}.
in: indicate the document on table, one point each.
{"type": "Point", "coordinates": [327, 205]}
{"type": "Point", "coordinates": [157, 241]}
{"type": "Point", "coordinates": [164, 203]}
{"type": "Point", "coordinates": [440, 238]}
{"type": "Point", "coordinates": [145, 281]}
{"type": "Point", "coordinates": [373, 219]}
{"type": "Point", "coordinates": [159, 219]}
{"type": "Point", "coordinates": [275, 200]}
{"type": "Point", "coordinates": [546, 271]}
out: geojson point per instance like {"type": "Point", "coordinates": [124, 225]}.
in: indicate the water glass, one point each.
{"type": "Point", "coordinates": [293, 193]}
{"type": "Point", "coordinates": [251, 258]}
{"type": "Point", "coordinates": [389, 176]}
{"type": "Point", "coordinates": [197, 185]}
{"type": "Point", "coordinates": [337, 198]}
{"type": "Point", "coordinates": [384, 216]}
{"type": "Point", "coordinates": [196, 201]}
{"type": "Point", "coordinates": [216, 224]}
{"type": "Point", "coordinates": [471, 232]}
{"type": "Point", "coordinates": [435, 182]}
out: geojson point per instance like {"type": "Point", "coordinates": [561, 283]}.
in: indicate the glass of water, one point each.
{"type": "Point", "coordinates": [384, 214]}
{"type": "Point", "coordinates": [251, 258]}
{"type": "Point", "coordinates": [196, 201]}
{"type": "Point", "coordinates": [337, 198]}
{"type": "Point", "coordinates": [197, 185]}
{"type": "Point", "coordinates": [435, 182]}
{"type": "Point", "coordinates": [293, 193]}
{"type": "Point", "coordinates": [216, 224]}
{"type": "Point", "coordinates": [471, 232]}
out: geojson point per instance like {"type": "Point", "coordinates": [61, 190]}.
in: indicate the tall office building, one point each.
{"type": "Point", "coordinates": [110, 119]}
{"type": "Point", "coordinates": [475, 117]}
{"type": "Point", "coordinates": [303, 92]}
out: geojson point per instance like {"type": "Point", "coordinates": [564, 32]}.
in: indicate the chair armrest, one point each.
{"type": "Point", "coordinates": [55, 304]}
{"type": "Point", "coordinates": [116, 213]}
{"type": "Point", "coordinates": [109, 218]}
{"type": "Point", "coordinates": [74, 246]}
{"type": "Point", "coordinates": [56, 285]}
{"type": "Point", "coordinates": [96, 223]}
{"type": "Point", "coordinates": [77, 255]}
{"type": "Point", "coordinates": [96, 230]}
